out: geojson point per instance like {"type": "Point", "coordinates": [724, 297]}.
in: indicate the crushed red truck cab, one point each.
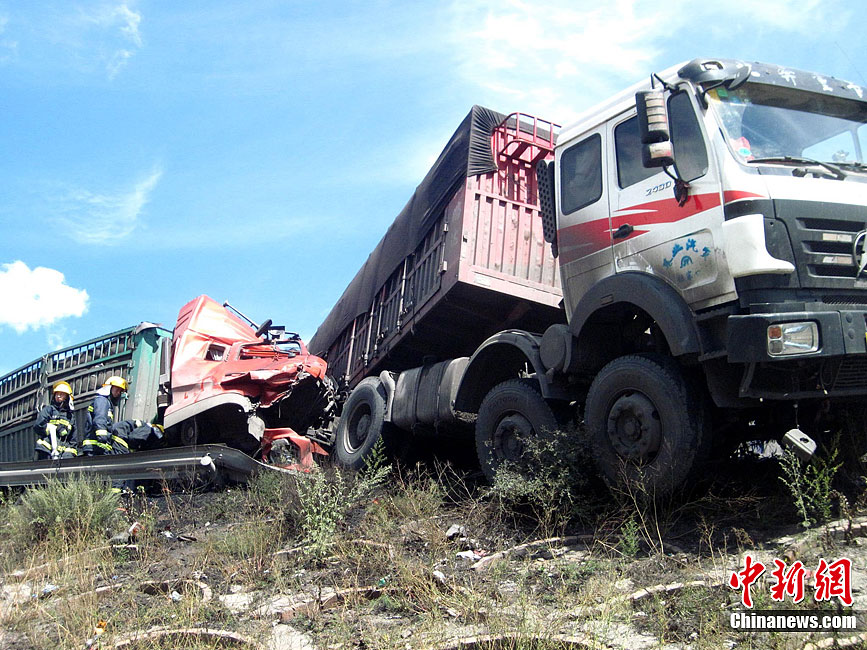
{"type": "Point", "coordinates": [259, 390]}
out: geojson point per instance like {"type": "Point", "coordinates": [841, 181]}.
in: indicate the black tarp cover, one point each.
{"type": "Point", "coordinates": [467, 153]}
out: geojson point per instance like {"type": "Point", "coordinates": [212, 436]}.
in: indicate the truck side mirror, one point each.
{"type": "Point", "coordinates": [656, 150]}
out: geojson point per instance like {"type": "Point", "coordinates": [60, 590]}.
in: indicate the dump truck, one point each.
{"type": "Point", "coordinates": [709, 226]}
{"type": "Point", "coordinates": [464, 260]}
{"type": "Point", "coordinates": [216, 378]}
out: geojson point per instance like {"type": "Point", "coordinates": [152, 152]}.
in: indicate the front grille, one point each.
{"type": "Point", "coordinates": [851, 373]}
{"type": "Point", "coordinates": [844, 299]}
{"type": "Point", "coordinates": [827, 246]}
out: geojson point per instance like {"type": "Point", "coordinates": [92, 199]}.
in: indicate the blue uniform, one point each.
{"type": "Point", "coordinates": [98, 438]}
{"type": "Point", "coordinates": [61, 417]}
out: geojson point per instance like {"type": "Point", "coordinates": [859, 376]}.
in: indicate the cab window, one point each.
{"type": "Point", "coordinates": [581, 174]}
{"type": "Point", "coordinates": [627, 145]}
{"type": "Point", "coordinates": [215, 353]}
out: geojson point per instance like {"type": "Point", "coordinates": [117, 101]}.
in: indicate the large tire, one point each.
{"type": "Point", "coordinates": [362, 423]}
{"type": "Point", "coordinates": [511, 412]}
{"type": "Point", "coordinates": [646, 425]}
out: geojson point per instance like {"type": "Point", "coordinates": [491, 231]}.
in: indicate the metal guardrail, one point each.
{"type": "Point", "coordinates": [161, 464]}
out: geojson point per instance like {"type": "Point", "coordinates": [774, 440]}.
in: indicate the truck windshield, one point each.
{"type": "Point", "coordinates": [767, 121]}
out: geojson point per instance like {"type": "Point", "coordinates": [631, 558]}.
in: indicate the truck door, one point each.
{"type": "Point", "coordinates": [651, 232]}
{"type": "Point", "coordinates": [583, 220]}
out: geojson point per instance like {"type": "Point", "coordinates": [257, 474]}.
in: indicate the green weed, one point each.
{"type": "Point", "coordinates": [551, 482]}
{"type": "Point", "coordinates": [630, 539]}
{"type": "Point", "coordinates": [810, 485]}
{"type": "Point", "coordinates": [70, 512]}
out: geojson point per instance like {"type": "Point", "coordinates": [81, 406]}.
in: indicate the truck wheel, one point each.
{"type": "Point", "coordinates": [361, 424]}
{"type": "Point", "coordinates": [189, 435]}
{"type": "Point", "coordinates": [510, 413]}
{"type": "Point", "coordinates": [646, 425]}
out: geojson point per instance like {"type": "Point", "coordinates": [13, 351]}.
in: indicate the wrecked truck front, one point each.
{"type": "Point", "coordinates": [230, 385]}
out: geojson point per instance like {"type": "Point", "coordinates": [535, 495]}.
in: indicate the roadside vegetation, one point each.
{"type": "Point", "coordinates": [425, 556]}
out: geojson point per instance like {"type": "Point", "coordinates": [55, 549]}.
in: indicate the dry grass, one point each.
{"type": "Point", "coordinates": [374, 566]}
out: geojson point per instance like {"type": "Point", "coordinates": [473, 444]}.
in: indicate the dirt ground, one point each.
{"type": "Point", "coordinates": [413, 567]}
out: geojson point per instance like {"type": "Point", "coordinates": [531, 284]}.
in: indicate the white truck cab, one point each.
{"type": "Point", "coordinates": [710, 226]}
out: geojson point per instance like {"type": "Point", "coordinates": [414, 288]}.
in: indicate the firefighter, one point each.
{"type": "Point", "coordinates": [98, 436]}
{"type": "Point", "coordinates": [138, 435]}
{"type": "Point", "coordinates": [55, 427]}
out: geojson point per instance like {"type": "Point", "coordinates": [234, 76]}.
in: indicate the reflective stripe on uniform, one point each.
{"type": "Point", "coordinates": [103, 445]}
{"type": "Point", "coordinates": [120, 440]}
{"type": "Point", "coordinates": [60, 422]}
{"type": "Point", "coordinates": [61, 449]}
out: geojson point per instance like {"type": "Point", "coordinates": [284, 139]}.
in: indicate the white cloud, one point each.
{"type": "Point", "coordinates": [129, 22]}
{"type": "Point", "coordinates": [111, 31]}
{"type": "Point", "coordinates": [802, 17]}
{"type": "Point", "coordinates": [37, 298]}
{"type": "Point", "coordinates": [539, 57]}
{"type": "Point", "coordinates": [58, 337]}
{"type": "Point", "coordinates": [126, 21]}
{"type": "Point", "coordinates": [108, 217]}
{"type": "Point", "coordinates": [8, 48]}
{"type": "Point", "coordinates": [558, 58]}
{"type": "Point", "coordinates": [118, 60]}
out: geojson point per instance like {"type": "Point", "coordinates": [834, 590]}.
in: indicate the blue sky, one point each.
{"type": "Point", "coordinates": [256, 152]}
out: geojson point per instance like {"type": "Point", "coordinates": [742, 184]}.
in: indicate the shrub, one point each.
{"type": "Point", "coordinates": [71, 511]}
{"type": "Point", "coordinates": [810, 485]}
{"type": "Point", "coordinates": [551, 482]}
{"type": "Point", "coordinates": [309, 506]}
{"type": "Point", "coordinates": [325, 495]}
{"type": "Point", "coordinates": [630, 539]}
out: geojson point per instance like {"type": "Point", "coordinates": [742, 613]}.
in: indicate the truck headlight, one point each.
{"type": "Point", "coordinates": [786, 339]}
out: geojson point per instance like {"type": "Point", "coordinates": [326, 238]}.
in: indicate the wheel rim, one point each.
{"type": "Point", "coordinates": [509, 436]}
{"type": "Point", "coordinates": [358, 428]}
{"type": "Point", "coordinates": [189, 434]}
{"type": "Point", "coordinates": [635, 428]}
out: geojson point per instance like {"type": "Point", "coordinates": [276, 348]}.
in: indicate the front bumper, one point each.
{"type": "Point", "coordinates": [840, 333]}
{"type": "Point", "coordinates": [837, 368]}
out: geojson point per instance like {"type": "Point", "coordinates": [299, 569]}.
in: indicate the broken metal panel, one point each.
{"type": "Point", "coordinates": [143, 375]}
